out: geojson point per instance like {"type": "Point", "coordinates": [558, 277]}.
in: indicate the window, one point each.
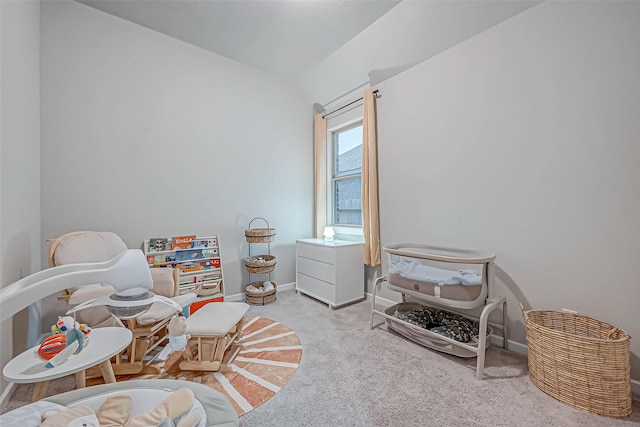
{"type": "Point", "coordinates": [346, 176]}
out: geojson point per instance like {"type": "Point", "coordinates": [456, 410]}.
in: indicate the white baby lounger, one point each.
{"type": "Point", "coordinates": [432, 280]}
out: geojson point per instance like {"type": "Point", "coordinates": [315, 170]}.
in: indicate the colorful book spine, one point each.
{"type": "Point", "coordinates": [182, 242]}
{"type": "Point", "coordinates": [204, 243]}
{"type": "Point", "coordinates": [188, 254]}
{"type": "Point", "coordinates": [159, 244]}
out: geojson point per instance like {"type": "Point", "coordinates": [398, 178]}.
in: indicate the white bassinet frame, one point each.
{"type": "Point", "coordinates": [486, 300]}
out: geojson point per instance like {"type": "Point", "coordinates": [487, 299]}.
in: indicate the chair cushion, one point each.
{"type": "Point", "coordinates": [89, 247]}
{"type": "Point", "coordinates": [160, 310]}
{"type": "Point", "coordinates": [163, 282]}
{"type": "Point", "coordinates": [216, 319]}
{"type": "Point", "coordinates": [92, 246]}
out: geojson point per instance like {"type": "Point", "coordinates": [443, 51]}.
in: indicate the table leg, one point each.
{"type": "Point", "coordinates": [39, 390]}
{"type": "Point", "coordinates": [107, 372]}
{"type": "Point", "coordinates": [81, 380]}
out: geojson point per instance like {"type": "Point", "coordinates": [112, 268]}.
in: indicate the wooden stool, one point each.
{"type": "Point", "coordinates": [214, 329]}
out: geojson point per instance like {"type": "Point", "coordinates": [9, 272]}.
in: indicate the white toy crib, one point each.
{"type": "Point", "coordinates": [422, 274]}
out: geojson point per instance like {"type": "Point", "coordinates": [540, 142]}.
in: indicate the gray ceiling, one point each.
{"type": "Point", "coordinates": [326, 47]}
{"type": "Point", "coordinates": [284, 37]}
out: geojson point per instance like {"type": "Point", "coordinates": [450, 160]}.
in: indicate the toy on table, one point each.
{"type": "Point", "coordinates": [68, 337]}
{"type": "Point", "coordinates": [66, 323]}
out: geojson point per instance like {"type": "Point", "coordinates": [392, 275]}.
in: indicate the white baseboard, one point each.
{"type": "Point", "coordinates": [515, 346]}
{"type": "Point", "coordinates": [382, 301]}
{"type": "Point", "coordinates": [6, 395]}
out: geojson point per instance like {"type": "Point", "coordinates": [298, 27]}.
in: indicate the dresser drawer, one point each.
{"type": "Point", "coordinates": [316, 288]}
{"type": "Point", "coordinates": [324, 254]}
{"type": "Point", "coordinates": [319, 270]}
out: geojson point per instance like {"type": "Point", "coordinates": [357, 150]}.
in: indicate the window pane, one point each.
{"type": "Point", "coordinates": [347, 203]}
{"type": "Point", "coordinates": [349, 150]}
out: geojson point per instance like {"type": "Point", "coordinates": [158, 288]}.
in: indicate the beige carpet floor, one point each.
{"type": "Point", "coordinates": [350, 375]}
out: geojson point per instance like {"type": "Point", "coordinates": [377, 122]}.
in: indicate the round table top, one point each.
{"type": "Point", "coordinates": [104, 343]}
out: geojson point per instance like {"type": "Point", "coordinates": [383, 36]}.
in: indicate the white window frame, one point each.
{"type": "Point", "coordinates": [340, 229]}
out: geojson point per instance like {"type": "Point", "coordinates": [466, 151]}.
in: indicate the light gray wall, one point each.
{"type": "Point", "coordinates": [524, 141]}
{"type": "Point", "coordinates": [20, 238]}
{"type": "Point", "coordinates": [148, 136]}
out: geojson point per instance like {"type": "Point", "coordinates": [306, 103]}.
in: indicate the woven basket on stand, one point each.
{"type": "Point", "coordinates": [580, 361]}
{"type": "Point", "coordinates": [260, 264]}
{"type": "Point", "coordinates": [260, 235]}
{"type": "Point", "coordinates": [260, 298]}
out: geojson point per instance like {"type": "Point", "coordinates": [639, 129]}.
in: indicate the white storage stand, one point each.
{"type": "Point", "coordinates": [332, 272]}
{"type": "Point", "coordinates": [438, 296]}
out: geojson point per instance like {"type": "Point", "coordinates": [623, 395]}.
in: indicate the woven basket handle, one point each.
{"type": "Point", "coordinates": [260, 218]}
{"type": "Point", "coordinates": [611, 332]}
{"type": "Point", "coordinates": [525, 313]}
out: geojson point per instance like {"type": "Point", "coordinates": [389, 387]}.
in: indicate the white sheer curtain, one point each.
{"type": "Point", "coordinates": [320, 173]}
{"type": "Point", "coordinates": [370, 211]}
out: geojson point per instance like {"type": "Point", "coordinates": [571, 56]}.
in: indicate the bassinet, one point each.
{"type": "Point", "coordinates": [449, 278]}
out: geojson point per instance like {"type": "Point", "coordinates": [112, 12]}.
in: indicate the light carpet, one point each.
{"type": "Point", "coordinates": [353, 376]}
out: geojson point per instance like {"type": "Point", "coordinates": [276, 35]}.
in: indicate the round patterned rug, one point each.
{"type": "Point", "coordinates": [270, 356]}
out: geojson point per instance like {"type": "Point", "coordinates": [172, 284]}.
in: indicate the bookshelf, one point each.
{"type": "Point", "coordinates": [197, 260]}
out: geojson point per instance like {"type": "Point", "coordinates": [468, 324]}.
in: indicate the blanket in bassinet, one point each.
{"type": "Point", "coordinates": [413, 269]}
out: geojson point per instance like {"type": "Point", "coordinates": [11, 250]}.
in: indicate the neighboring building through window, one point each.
{"type": "Point", "coordinates": [346, 176]}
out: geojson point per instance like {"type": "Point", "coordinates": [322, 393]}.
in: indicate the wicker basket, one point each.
{"type": "Point", "coordinates": [260, 298]}
{"type": "Point", "coordinates": [260, 235]}
{"type": "Point", "coordinates": [256, 266]}
{"type": "Point", "coordinates": [580, 361]}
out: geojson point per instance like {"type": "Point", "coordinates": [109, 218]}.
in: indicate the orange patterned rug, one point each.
{"type": "Point", "coordinates": [270, 356]}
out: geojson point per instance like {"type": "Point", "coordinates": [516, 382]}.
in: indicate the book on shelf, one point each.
{"type": "Point", "coordinates": [182, 242]}
{"type": "Point", "coordinates": [198, 264]}
{"type": "Point", "coordinates": [206, 278]}
{"type": "Point", "coordinates": [207, 243]}
{"type": "Point", "coordinates": [188, 267]}
{"type": "Point", "coordinates": [159, 244]}
{"type": "Point", "coordinates": [159, 259]}
{"type": "Point", "coordinates": [210, 253]}
{"type": "Point", "coordinates": [201, 276]}
{"type": "Point", "coordinates": [188, 254]}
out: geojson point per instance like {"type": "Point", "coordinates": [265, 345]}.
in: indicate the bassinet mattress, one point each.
{"type": "Point", "coordinates": [412, 268]}
{"type": "Point", "coordinates": [452, 292]}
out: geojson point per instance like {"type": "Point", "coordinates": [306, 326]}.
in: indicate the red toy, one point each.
{"type": "Point", "coordinates": [52, 345]}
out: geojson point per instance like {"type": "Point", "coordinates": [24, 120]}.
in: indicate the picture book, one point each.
{"type": "Point", "coordinates": [210, 253]}
{"type": "Point", "coordinates": [182, 242]}
{"type": "Point", "coordinates": [205, 243]}
{"type": "Point", "coordinates": [159, 259]}
{"type": "Point", "coordinates": [188, 254]}
{"type": "Point", "coordinates": [158, 244]}
{"type": "Point", "coordinates": [189, 267]}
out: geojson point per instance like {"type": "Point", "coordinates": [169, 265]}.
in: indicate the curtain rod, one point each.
{"type": "Point", "coordinates": [375, 92]}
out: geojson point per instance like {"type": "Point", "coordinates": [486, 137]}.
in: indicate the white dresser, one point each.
{"type": "Point", "coordinates": [332, 272]}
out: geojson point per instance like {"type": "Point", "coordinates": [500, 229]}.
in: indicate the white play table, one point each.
{"type": "Point", "coordinates": [104, 343]}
